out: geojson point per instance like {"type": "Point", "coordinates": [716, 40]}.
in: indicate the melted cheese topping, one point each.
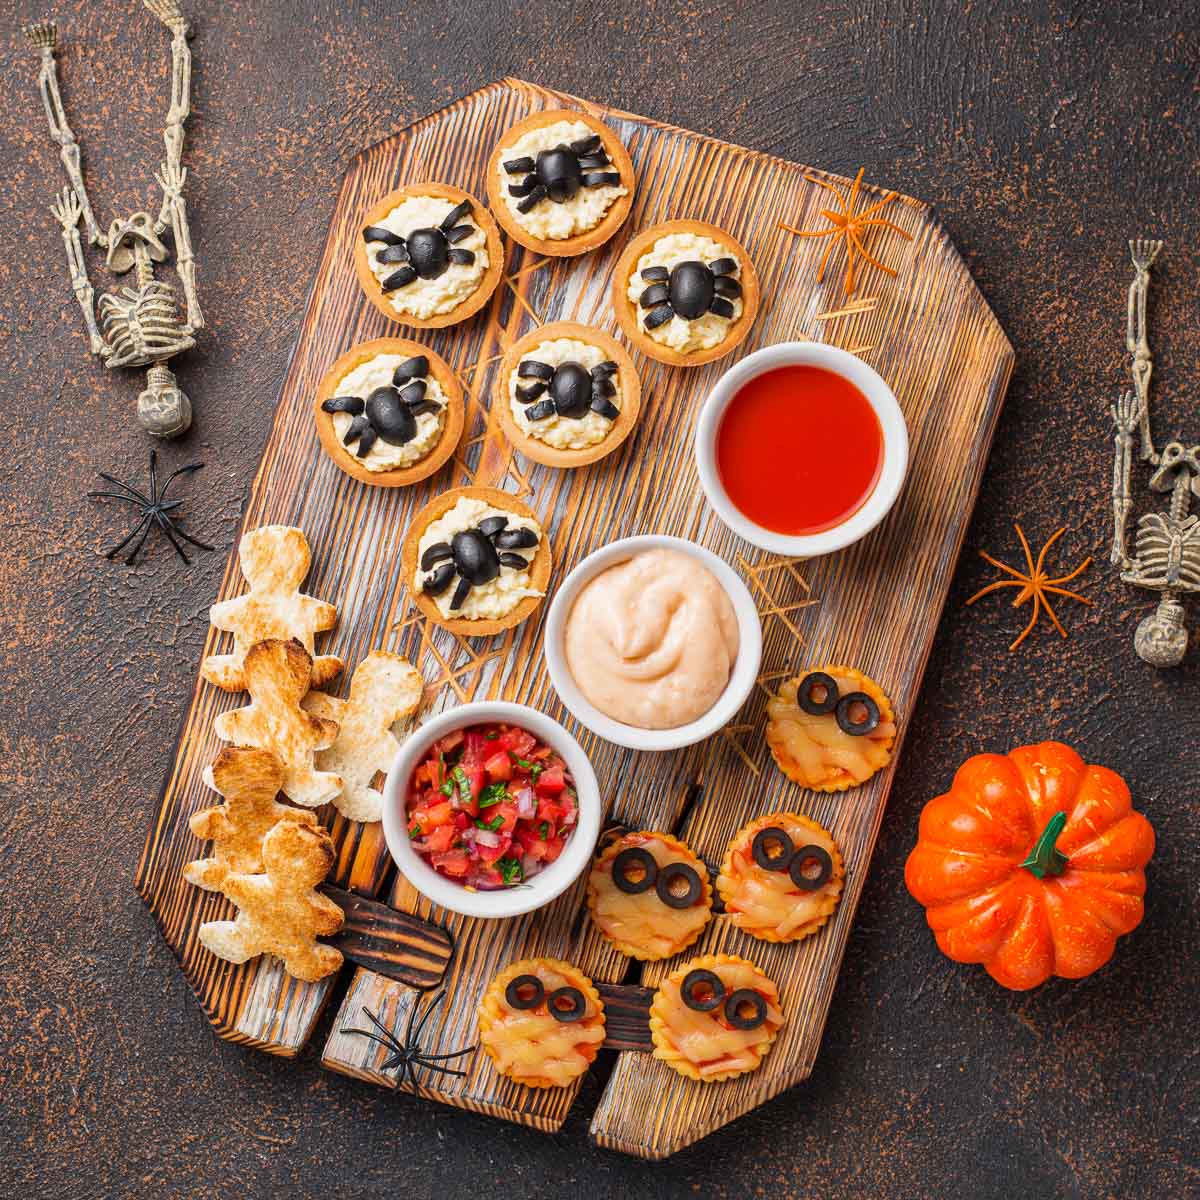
{"type": "Point", "coordinates": [769, 900]}
{"type": "Point", "coordinates": [703, 1039]}
{"type": "Point", "coordinates": [642, 921]}
{"type": "Point", "coordinates": [531, 1044]}
{"type": "Point", "coordinates": [563, 433]}
{"type": "Point", "coordinates": [814, 750]}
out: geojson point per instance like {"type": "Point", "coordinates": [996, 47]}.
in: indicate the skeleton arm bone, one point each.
{"type": "Point", "coordinates": [1126, 414]}
{"type": "Point", "coordinates": [67, 210]}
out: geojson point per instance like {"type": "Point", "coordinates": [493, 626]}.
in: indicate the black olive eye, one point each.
{"type": "Point", "coordinates": [701, 990]}
{"type": "Point", "coordinates": [810, 868]}
{"type": "Point", "coordinates": [772, 848]}
{"type": "Point", "coordinates": [817, 694]}
{"type": "Point", "coordinates": [857, 714]}
{"type": "Point", "coordinates": [745, 1009]}
{"type": "Point", "coordinates": [524, 992]}
{"type": "Point", "coordinates": [678, 886]}
{"type": "Point", "coordinates": [566, 1004]}
{"type": "Point", "coordinates": [634, 871]}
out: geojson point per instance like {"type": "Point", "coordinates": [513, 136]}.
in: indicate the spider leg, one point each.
{"type": "Point", "coordinates": [825, 260]}
{"type": "Point", "coordinates": [169, 529]}
{"type": "Point", "coordinates": [870, 257]}
{"type": "Point", "coordinates": [190, 469]}
{"type": "Point", "coordinates": [141, 541]}
{"type": "Point", "coordinates": [1025, 547]}
{"type": "Point", "coordinates": [991, 587]}
{"type": "Point", "coordinates": [1079, 570]}
{"type": "Point", "coordinates": [1049, 542]}
{"type": "Point", "coordinates": [1032, 622]}
{"type": "Point", "coordinates": [1066, 592]}
{"type": "Point", "coordinates": [872, 221]}
{"type": "Point", "coordinates": [806, 233]}
{"type": "Point", "coordinates": [117, 496]}
{"type": "Point", "coordinates": [154, 475]}
{"type": "Point", "coordinates": [431, 1058]}
{"type": "Point", "coordinates": [121, 545]}
{"type": "Point", "coordinates": [187, 537]}
{"type": "Point", "coordinates": [431, 1066]}
{"type": "Point", "coordinates": [125, 486]}
{"type": "Point", "coordinates": [424, 1018]}
{"type": "Point", "coordinates": [995, 562]}
{"type": "Point", "coordinates": [1053, 616]}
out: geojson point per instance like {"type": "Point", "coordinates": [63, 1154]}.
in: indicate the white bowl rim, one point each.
{"type": "Point", "coordinates": [741, 680]}
{"type": "Point", "coordinates": [549, 883]}
{"type": "Point", "coordinates": [895, 447]}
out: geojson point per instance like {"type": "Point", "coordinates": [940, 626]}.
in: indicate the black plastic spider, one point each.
{"type": "Point", "coordinates": [689, 290]}
{"type": "Point", "coordinates": [154, 509]}
{"type": "Point", "coordinates": [571, 388]}
{"type": "Point", "coordinates": [407, 1054]}
{"type": "Point", "coordinates": [425, 253]}
{"type": "Point", "coordinates": [476, 557]}
{"type": "Point", "coordinates": [559, 173]}
{"type": "Point", "coordinates": [388, 412]}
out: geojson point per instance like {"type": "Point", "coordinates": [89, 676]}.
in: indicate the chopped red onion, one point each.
{"type": "Point", "coordinates": [526, 804]}
{"type": "Point", "coordinates": [485, 837]}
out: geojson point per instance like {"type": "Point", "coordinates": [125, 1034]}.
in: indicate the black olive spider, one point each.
{"type": "Point", "coordinates": [155, 510]}
{"type": "Point", "coordinates": [427, 252]}
{"type": "Point", "coordinates": [476, 557]}
{"type": "Point", "coordinates": [689, 290]}
{"type": "Point", "coordinates": [568, 390]}
{"type": "Point", "coordinates": [558, 174]}
{"type": "Point", "coordinates": [389, 413]}
{"type": "Point", "coordinates": [408, 1054]}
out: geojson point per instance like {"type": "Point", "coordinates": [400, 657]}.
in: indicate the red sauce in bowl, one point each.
{"type": "Point", "coordinates": [799, 450]}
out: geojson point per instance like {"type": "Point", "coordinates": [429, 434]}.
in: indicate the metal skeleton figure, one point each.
{"type": "Point", "coordinates": [138, 326]}
{"type": "Point", "coordinates": [1166, 552]}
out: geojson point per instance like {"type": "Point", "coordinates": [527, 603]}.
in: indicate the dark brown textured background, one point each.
{"type": "Point", "coordinates": [1045, 135]}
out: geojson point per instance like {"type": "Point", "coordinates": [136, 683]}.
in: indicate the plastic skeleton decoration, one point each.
{"type": "Point", "coordinates": [138, 326]}
{"type": "Point", "coordinates": [1166, 551]}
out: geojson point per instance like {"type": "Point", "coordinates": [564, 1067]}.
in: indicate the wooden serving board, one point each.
{"type": "Point", "coordinates": [931, 336]}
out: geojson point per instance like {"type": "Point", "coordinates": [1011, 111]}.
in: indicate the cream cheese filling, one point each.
{"type": "Point", "coordinates": [563, 433]}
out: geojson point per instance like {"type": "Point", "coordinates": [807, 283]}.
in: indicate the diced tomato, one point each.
{"type": "Point", "coordinates": [554, 847]}
{"type": "Point", "coordinates": [498, 767]}
{"type": "Point", "coordinates": [427, 772]}
{"type": "Point", "coordinates": [461, 820]}
{"type": "Point", "coordinates": [507, 814]}
{"type": "Point", "coordinates": [549, 811]}
{"type": "Point", "coordinates": [437, 814]}
{"type": "Point", "coordinates": [440, 840]}
{"type": "Point", "coordinates": [450, 742]}
{"type": "Point", "coordinates": [453, 862]}
{"type": "Point", "coordinates": [489, 854]}
{"type": "Point", "coordinates": [550, 782]}
{"type": "Point", "coordinates": [517, 742]}
{"type": "Point", "coordinates": [531, 845]}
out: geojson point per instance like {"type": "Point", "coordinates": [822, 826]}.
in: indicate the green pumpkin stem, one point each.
{"type": "Point", "coordinates": [1045, 858]}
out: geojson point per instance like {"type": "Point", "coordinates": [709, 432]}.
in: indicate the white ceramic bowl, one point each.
{"type": "Point", "coordinates": [741, 681]}
{"type": "Point", "coordinates": [895, 447]}
{"type": "Point", "coordinates": [546, 884]}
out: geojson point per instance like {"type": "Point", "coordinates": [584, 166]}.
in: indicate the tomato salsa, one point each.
{"type": "Point", "coordinates": [490, 806]}
{"type": "Point", "coordinates": [799, 449]}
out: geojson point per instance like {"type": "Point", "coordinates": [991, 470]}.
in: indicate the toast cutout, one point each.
{"type": "Point", "coordinates": [277, 675]}
{"type": "Point", "coordinates": [385, 689]}
{"type": "Point", "coordinates": [249, 780]}
{"type": "Point", "coordinates": [280, 912]}
{"type": "Point", "coordinates": [274, 559]}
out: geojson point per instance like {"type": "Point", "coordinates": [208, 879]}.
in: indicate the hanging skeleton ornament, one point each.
{"type": "Point", "coordinates": [1166, 547]}
{"type": "Point", "coordinates": [139, 325]}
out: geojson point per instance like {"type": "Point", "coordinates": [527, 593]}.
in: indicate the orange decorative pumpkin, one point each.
{"type": "Point", "coordinates": [1031, 864]}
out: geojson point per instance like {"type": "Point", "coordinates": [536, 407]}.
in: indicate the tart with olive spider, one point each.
{"type": "Point", "coordinates": [389, 412]}
{"type": "Point", "coordinates": [477, 561]}
{"type": "Point", "coordinates": [560, 182]}
{"type": "Point", "coordinates": [649, 895]}
{"type": "Point", "coordinates": [541, 1022]}
{"type": "Point", "coordinates": [781, 877]}
{"type": "Point", "coordinates": [830, 729]}
{"type": "Point", "coordinates": [715, 1018]}
{"type": "Point", "coordinates": [428, 255]}
{"type": "Point", "coordinates": [567, 394]}
{"type": "Point", "coordinates": [685, 293]}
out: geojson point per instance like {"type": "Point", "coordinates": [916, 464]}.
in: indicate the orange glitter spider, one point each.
{"type": "Point", "coordinates": [850, 227]}
{"type": "Point", "coordinates": [1035, 585]}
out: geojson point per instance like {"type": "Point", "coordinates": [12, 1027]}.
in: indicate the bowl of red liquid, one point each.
{"type": "Point", "coordinates": [801, 448]}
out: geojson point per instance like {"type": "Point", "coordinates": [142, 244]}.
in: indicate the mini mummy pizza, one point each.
{"type": "Point", "coordinates": [714, 1018]}
{"type": "Point", "coordinates": [560, 182]}
{"type": "Point", "coordinates": [389, 412]}
{"type": "Point", "coordinates": [541, 1022]}
{"type": "Point", "coordinates": [781, 878]}
{"type": "Point", "coordinates": [649, 895]}
{"type": "Point", "coordinates": [567, 394]}
{"type": "Point", "coordinates": [477, 560]}
{"type": "Point", "coordinates": [830, 729]}
{"type": "Point", "coordinates": [429, 255]}
{"type": "Point", "coordinates": [685, 292]}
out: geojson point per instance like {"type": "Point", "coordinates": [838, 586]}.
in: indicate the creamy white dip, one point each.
{"type": "Point", "coordinates": [681, 335]}
{"type": "Point", "coordinates": [383, 456]}
{"type": "Point", "coordinates": [424, 298]}
{"type": "Point", "coordinates": [499, 597]}
{"type": "Point", "coordinates": [585, 210]}
{"type": "Point", "coordinates": [563, 433]}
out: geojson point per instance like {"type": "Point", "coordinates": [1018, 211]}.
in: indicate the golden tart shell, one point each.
{"type": "Point", "coordinates": [745, 1049]}
{"type": "Point", "coordinates": [626, 310]}
{"type": "Point", "coordinates": [786, 721]}
{"type": "Point", "coordinates": [487, 284]}
{"type": "Point", "coordinates": [738, 869]}
{"type": "Point", "coordinates": [600, 886]}
{"type": "Point", "coordinates": [629, 395]}
{"type": "Point", "coordinates": [539, 565]}
{"type": "Point", "coordinates": [493, 1011]}
{"type": "Point", "coordinates": [345, 458]}
{"type": "Point", "coordinates": [581, 243]}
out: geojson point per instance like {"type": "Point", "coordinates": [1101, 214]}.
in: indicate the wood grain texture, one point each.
{"type": "Point", "coordinates": [877, 605]}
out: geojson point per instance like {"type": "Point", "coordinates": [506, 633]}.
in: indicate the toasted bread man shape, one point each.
{"type": "Point", "coordinates": [277, 675]}
{"type": "Point", "coordinates": [274, 560]}
{"type": "Point", "coordinates": [280, 913]}
{"type": "Point", "coordinates": [249, 780]}
{"type": "Point", "coordinates": [385, 689]}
